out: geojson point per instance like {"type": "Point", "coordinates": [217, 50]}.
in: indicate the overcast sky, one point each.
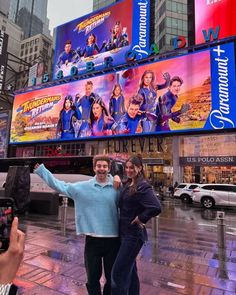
{"type": "Point", "coordinates": [62, 11]}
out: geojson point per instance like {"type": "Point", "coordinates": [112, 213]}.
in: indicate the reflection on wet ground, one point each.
{"type": "Point", "coordinates": [182, 255]}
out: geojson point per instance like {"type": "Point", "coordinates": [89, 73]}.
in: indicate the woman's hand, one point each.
{"type": "Point", "coordinates": [116, 182]}
{"type": "Point", "coordinates": [138, 222]}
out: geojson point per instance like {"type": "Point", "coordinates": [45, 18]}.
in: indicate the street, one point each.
{"type": "Point", "coordinates": [181, 257]}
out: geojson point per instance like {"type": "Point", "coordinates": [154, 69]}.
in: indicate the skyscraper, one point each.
{"type": "Point", "coordinates": [102, 3]}
{"type": "Point", "coordinates": [31, 16]}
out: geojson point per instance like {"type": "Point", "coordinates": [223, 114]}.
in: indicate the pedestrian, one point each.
{"type": "Point", "coordinates": [138, 203]}
{"type": "Point", "coordinates": [11, 259]}
{"type": "Point", "coordinates": [96, 216]}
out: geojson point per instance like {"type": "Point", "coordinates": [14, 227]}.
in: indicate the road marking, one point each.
{"type": "Point", "coordinates": [175, 285]}
{"type": "Point", "coordinates": [206, 224]}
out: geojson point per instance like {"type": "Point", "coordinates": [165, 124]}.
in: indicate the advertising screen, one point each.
{"type": "Point", "coordinates": [3, 134]}
{"type": "Point", "coordinates": [193, 92]}
{"type": "Point", "coordinates": [108, 32]}
{"type": "Point", "coordinates": [213, 13]}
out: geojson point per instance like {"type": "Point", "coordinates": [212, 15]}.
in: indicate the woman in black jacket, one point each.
{"type": "Point", "coordinates": [138, 203]}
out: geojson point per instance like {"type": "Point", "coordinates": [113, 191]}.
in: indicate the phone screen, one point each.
{"type": "Point", "coordinates": [6, 218]}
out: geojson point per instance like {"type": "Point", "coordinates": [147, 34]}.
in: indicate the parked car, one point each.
{"type": "Point", "coordinates": [210, 195]}
{"type": "Point", "coordinates": [184, 191]}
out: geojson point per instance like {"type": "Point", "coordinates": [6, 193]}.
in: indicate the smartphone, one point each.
{"type": "Point", "coordinates": [6, 218]}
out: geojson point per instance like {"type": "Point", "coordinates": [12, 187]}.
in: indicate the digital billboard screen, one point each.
{"type": "Point", "coordinates": [210, 14]}
{"type": "Point", "coordinates": [193, 92]}
{"type": "Point", "coordinates": [108, 32]}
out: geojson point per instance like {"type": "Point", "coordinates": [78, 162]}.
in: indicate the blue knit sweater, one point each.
{"type": "Point", "coordinates": [96, 211]}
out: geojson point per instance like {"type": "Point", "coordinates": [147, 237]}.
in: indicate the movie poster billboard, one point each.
{"type": "Point", "coordinates": [189, 93]}
{"type": "Point", "coordinates": [108, 32]}
{"type": "Point", "coordinates": [211, 14]}
{"type": "Point", "coordinates": [3, 134]}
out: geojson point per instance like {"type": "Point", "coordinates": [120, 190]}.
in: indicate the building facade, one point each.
{"type": "Point", "coordinates": [31, 16]}
{"type": "Point", "coordinates": [34, 50]}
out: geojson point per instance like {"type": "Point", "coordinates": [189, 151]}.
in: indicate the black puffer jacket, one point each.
{"type": "Point", "coordinates": [142, 203]}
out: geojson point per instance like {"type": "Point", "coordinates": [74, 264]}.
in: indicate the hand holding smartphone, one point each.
{"type": "Point", "coordinates": [6, 218]}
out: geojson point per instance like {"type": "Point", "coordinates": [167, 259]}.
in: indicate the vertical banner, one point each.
{"type": "Point", "coordinates": [3, 134]}
{"type": "Point", "coordinates": [3, 58]}
{"type": "Point", "coordinates": [222, 115]}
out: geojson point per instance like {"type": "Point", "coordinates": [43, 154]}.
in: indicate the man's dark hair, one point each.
{"type": "Point", "coordinates": [101, 158]}
{"type": "Point", "coordinates": [176, 78]}
{"type": "Point", "coordinates": [68, 42]}
{"type": "Point", "coordinates": [136, 99]}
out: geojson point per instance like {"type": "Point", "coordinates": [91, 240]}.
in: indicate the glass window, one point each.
{"type": "Point", "coordinates": [174, 6]}
{"type": "Point", "coordinates": [193, 186]}
{"type": "Point", "coordinates": [31, 50]}
{"type": "Point", "coordinates": [26, 51]}
{"type": "Point", "coordinates": [180, 24]}
{"type": "Point", "coordinates": [174, 22]}
{"type": "Point", "coordinates": [36, 48]}
{"type": "Point", "coordinates": [22, 46]}
{"type": "Point", "coordinates": [168, 22]}
{"type": "Point", "coordinates": [179, 7]}
{"type": "Point", "coordinates": [21, 53]}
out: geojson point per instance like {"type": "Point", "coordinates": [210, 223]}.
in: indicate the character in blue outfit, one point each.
{"type": "Point", "coordinates": [166, 103]}
{"type": "Point", "coordinates": [100, 121]}
{"type": "Point", "coordinates": [91, 47]}
{"type": "Point", "coordinates": [117, 103]}
{"type": "Point", "coordinates": [84, 104]}
{"type": "Point", "coordinates": [65, 129]}
{"type": "Point", "coordinates": [131, 122]}
{"type": "Point", "coordinates": [119, 37]}
{"type": "Point", "coordinates": [68, 55]}
{"type": "Point", "coordinates": [148, 90]}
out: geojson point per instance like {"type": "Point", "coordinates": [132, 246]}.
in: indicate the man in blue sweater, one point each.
{"type": "Point", "coordinates": [96, 216]}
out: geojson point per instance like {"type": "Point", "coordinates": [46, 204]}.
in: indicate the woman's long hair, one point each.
{"type": "Point", "coordinates": [99, 101]}
{"type": "Point", "coordinates": [152, 84]}
{"type": "Point", "coordinates": [138, 162]}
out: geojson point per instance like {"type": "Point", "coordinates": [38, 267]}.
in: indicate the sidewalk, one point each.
{"type": "Point", "coordinates": [182, 259]}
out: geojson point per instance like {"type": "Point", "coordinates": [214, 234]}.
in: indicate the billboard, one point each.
{"type": "Point", "coordinates": [3, 134]}
{"type": "Point", "coordinates": [211, 14]}
{"type": "Point", "coordinates": [107, 33]}
{"type": "Point", "coordinates": [3, 58]}
{"type": "Point", "coordinates": [36, 74]}
{"type": "Point", "coordinates": [193, 92]}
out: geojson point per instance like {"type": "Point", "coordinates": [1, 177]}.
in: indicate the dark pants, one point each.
{"type": "Point", "coordinates": [124, 277]}
{"type": "Point", "coordinates": [98, 252]}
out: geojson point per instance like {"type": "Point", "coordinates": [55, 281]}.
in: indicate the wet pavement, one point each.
{"type": "Point", "coordinates": [181, 257]}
